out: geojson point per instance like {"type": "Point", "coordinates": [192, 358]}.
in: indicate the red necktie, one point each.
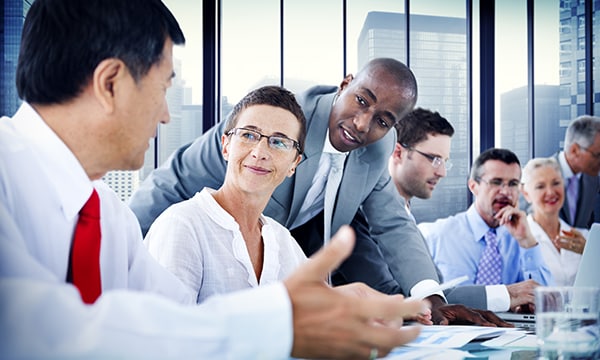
{"type": "Point", "coordinates": [85, 252]}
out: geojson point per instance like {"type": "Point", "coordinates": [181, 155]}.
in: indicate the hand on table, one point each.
{"type": "Point", "coordinates": [522, 296]}
{"type": "Point", "coordinates": [456, 314]}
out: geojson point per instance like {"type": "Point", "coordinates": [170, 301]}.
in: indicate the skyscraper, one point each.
{"type": "Point", "coordinates": [438, 58]}
{"type": "Point", "coordinates": [514, 122]}
{"type": "Point", "coordinates": [13, 15]}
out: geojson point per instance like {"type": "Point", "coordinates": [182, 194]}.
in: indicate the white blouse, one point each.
{"type": "Point", "coordinates": [202, 245]}
{"type": "Point", "coordinates": [563, 264]}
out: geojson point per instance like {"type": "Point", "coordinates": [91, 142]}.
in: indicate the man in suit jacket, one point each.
{"type": "Point", "coordinates": [419, 161]}
{"type": "Point", "coordinates": [353, 119]}
{"type": "Point", "coordinates": [581, 159]}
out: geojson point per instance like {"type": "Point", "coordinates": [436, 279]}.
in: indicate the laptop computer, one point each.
{"type": "Point", "coordinates": [586, 276]}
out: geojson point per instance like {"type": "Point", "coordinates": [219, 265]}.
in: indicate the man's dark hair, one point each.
{"type": "Point", "coordinates": [273, 96]}
{"type": "Point", "coordinates": [418, 124]}
{"type": "Point", "coordinates": [64, 40]}
{"type": "Point", "coordinates": [504, 155]}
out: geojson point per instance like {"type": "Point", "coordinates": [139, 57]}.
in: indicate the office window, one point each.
{"type": "Point", "coordinates": [581, 66]}
{"type": "Point", "coordinates": [250, 48]}
{"type": "Point", "coordinates": [312, 55]}
{"type": "Point", "coordinates": [438, 57]}
{"type": "Point", "coordinates": [581, 44]}
{"type": "Point", "coordinates": [253, 53]}
{"type": "Point", "coordinates": [565, 26]}
{"type": "Point", "coordinates": [581, 25]}
{"type": "Point", "coordinates": [184, 99]}
{"type": "Point", "coordinates": [548, 89]}
{"type": "Point", "coordinates": [512, 97]}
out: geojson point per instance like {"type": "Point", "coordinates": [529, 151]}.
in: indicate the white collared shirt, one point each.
{"type": "Point", "coordinates": [42, 188]}
{"type": "Point", "coordinates": [314, 201]}
{"type": "Point", "coordinates": [563, 264]}
{"type": "Point", "coordinates": [201, 243]}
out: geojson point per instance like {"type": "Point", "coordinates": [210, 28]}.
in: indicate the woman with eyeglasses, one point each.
{"type": "Point", "coordinates": [219, 240]}
{"type": "Point", "coordinates": [562, 245]}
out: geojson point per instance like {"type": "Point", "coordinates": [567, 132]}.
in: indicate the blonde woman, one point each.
{"type": "Point", "coordinates": [562, 245]}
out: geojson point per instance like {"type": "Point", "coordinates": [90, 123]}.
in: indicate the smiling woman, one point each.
{"type": "Point", "coordinates": [561, 244]}
{"type": "Point", "coordinates": [219, 240]}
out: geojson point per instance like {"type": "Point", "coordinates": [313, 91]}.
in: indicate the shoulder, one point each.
{"type": "Point", "coordinates": [442, 226]}
{"type": "Point", "coordinates": [309, 97]}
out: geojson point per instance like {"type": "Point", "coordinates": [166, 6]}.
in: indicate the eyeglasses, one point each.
{"type": "Point", "coordinates": [275, 142]}
{"type": "Point", "coordinates": [436, 161]}
{"type": "Point", "coordinates": [498, 183]}
{"type": "Point", "coordinates": [594, 154]}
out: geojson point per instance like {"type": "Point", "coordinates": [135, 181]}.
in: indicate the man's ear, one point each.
{"type": "Point", "coordinates": [573, 150]}
{"type": "Point", "coordinates": [473, 186]}
{"type": "Point", "coordinates": [347, 80]}
{"type": "Point", "coordinates": [397, 154]}
{"type": "Point", "coordinates": [105, 79]}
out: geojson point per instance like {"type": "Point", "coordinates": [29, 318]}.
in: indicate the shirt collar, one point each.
{"type": "Point", "coordinates": [566, 169]}
{"type": "Point", "coordinates": [57, 161]}
{"type": "Point", "coordinates": [478, 226]}
{"type": "Point", "coordinates": [328, 147]}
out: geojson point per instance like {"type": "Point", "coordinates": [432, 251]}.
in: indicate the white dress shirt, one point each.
{"type": "Point", "coordinates": [314, 202]}
{"type": "Point", "coordinates": [201, 243]}
{"type": "Point", "coordinates": [563, 264]}
{"type": "Point", "coordinates": [42, 188]}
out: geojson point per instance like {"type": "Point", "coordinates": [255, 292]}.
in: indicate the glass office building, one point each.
{"type": "Point", "coordinates": [482, 64]}
{"type": "Point", "coordinates": [13, 15]}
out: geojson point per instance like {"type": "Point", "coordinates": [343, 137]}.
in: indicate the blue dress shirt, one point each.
{"type": "Point", "coordinates": [457, 242]}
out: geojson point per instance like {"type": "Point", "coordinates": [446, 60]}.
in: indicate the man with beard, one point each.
{"type": "Point", "coordinates": [491, 242]}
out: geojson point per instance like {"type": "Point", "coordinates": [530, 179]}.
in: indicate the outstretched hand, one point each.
{"type": "Point", "coordinates": [349, 322]}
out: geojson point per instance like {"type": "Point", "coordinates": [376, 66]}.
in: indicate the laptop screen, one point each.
{"type": "Point", "coordinates": [591, 253]}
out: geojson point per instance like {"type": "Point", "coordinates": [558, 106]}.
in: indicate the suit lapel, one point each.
{"type": "Point", "coordinates": [353, 181]}
{"type": "Point", "coordinates": [317, 125]}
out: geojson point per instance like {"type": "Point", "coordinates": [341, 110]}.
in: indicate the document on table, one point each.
{"type": "Point", "coordinates": [454, 336]}
{"type": "Point", "coordinates": [439, 341]}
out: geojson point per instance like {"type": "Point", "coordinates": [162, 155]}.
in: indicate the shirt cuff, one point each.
{"type": "Point", "coordinates": [422, 289]}
{"type": "Point", "coordinates": [498, 298]}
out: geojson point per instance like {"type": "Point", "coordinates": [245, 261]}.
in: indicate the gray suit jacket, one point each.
{"type": "Point", "coordinates": [390, 244]}
{"type": "Point", "coordinates": [586, 201]}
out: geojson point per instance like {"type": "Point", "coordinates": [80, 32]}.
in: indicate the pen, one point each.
{"type": "Point", "coordinates": [447, 285]}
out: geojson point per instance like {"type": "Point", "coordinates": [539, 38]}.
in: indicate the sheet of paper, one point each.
{"type": "Point", "coordinates": [454, 336]}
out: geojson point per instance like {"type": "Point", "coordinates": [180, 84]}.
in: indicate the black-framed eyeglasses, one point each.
{"type": "Point", "coordinates": [275, 142]}
{"type": "Point", "coordinates": [496, 183]}
{"type": "Point", "coordinates": [594, 154]}
{"type": "Point", "coordinates": [436, 161]}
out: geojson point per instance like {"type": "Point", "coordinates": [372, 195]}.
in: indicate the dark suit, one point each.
{"type": "Point", "coordinates": [586, 201]}
{"type": "Point", "coordinates": [365, 186]}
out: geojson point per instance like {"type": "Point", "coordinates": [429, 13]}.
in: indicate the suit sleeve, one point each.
{"type": "Point", "coordinates": [473, 296]}
{"type": "Point", "coordinates": [188, 170]}
{"type": "Point", "coordinates": [400, 241]}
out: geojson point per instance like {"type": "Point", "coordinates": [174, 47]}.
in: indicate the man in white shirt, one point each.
{"type": "Point", "coordinates": [419, 161]}
{"type": "Point", "coordinates": [93, 76]}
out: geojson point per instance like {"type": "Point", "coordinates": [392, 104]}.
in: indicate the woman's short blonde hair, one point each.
{"type": "Point", "coordinates": [537, 163]}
